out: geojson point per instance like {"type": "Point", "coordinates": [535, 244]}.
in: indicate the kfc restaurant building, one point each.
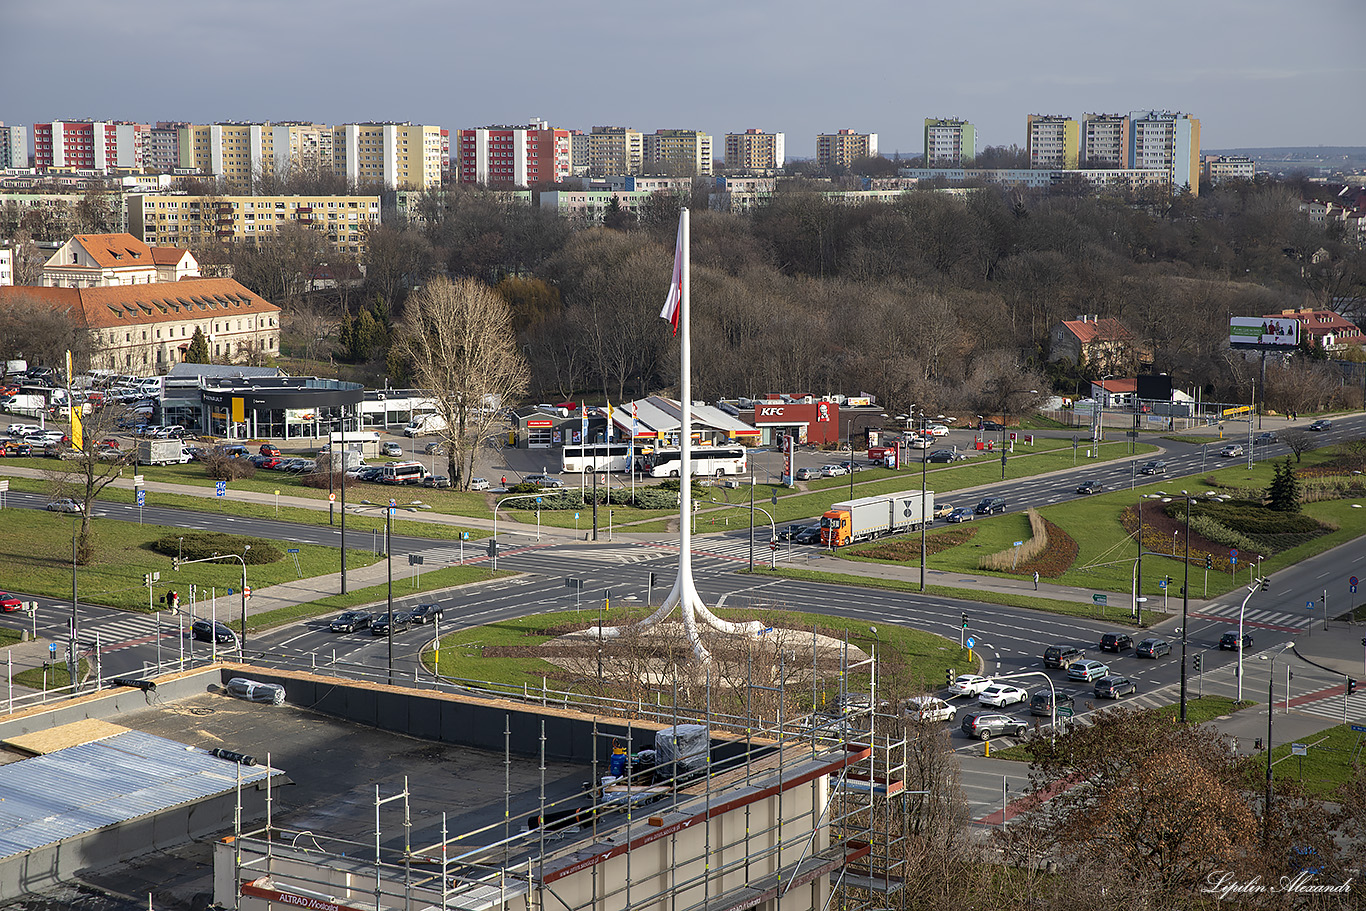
{"type": "Point", "coordinates": [806, 422]}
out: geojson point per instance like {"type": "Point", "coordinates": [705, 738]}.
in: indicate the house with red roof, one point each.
{"type": "Point", "coordinates": [1098, 345]}
{"type": "Point", "coordinates": [103, 260]}
{"type": "Point", "coordinates": [1324, 329]}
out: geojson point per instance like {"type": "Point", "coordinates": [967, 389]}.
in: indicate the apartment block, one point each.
{"type": "Point", "coordinates": [678, 152]}
{"type": "Point", "coordinates": [88, 144]}
{"type": "Point", "coordinates": [177, 220]}
{"type": "Point", "coordinates": [1216, 169]}
{"type": "Point", "coordinates": [949, 143]}
{"type": "Point", "coordinates": [842, 149]}
{"type": "Point", "coordinates": [1104, 141]}
{"type": "Point", "coordinates": [615, 150]}
{"type": "Point", "coordinates": [755, 150]}
{"type": "Point", "coordinates": [1053, 142]}
{"type": "Point", "coordinates": [519, 156]}
{"type": "Point", "coordinates": [236, 152]}
{"type": "Point", "coordinates": [397, 156]}
{"type": "Point", "coordinates": [1161, 140]}
{"type": "Point", "coordinates": [578, 153]}
{"type": "Point", "coordinates": [162, 147]}
{"type": "Point", "coordinates": [13, 146]}
{"type": "Point", "coordinates": [304, 148]}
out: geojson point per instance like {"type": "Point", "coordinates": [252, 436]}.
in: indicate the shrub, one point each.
{"type": "Point", "coordinates": [1012, 558]}
{"type": "Point", "coordinates": [195, 545]}
{"type": "Point", "coordinates": [220, 467]}
{"type": "Point", "coordinates": [319, 478]}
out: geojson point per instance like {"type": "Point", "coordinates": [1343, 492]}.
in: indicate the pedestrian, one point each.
{"type": "Point", "coordinates": [505, 481]}
{"type": "Point", "coordinates": [1036, 580]}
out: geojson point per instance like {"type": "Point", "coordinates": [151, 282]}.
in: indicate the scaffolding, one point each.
{"type": "Point", "coordinates": [798, 808]}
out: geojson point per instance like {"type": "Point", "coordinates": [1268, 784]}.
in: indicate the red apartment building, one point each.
{"type": "Point", "coordinates": [89, 144]}
{"type": "Point", "coordinates": [516, 156]}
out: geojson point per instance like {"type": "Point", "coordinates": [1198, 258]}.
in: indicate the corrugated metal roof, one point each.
{"type": "Point", "coordinates": [82, 788]}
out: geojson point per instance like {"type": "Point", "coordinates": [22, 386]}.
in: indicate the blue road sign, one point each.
{"type": "Point", "coordinates": [52, 650]}
{"type": "Point", "coordinates": [1359, 728]}
{"type": "Point", "coordinates": [1233, 553]}
{"type": "Point", "coordinates": [1309, 605]}
{"type": "Point", "coordinates": [1353, 581]}
{"type": "Point", "coordinates": [293, 550]}
{"type": "Point", "coordinates": [464, 536]}
{"type": "Point", "coordinates": [971, 642]}
{"type": "Point", "coordinates": [538, 501]}
{"type": "Point", "coordinates": [576, 517]}
{"type": "Point", "coordinates": [1161, 583]}
{"type": "Point", "coordinates": [142, 497]}
{"type": "Point", "coordinates": [1233, 560]}
{"type": "Point", "coordinates": [1354, 589]}
{"type": "Point", "coordinates": [220, 489]}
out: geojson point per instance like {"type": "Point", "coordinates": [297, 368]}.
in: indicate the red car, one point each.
{"type": "Point", "coordinates": [110, 442]}
{"type": "Point", "coordinates": [9, 603]}
{"type": "Point", "coordinates": [268, 449]}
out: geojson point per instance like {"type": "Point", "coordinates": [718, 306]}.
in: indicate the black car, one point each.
{"type": "Point", "coordinates": [380, 625]}
{"type": "Point", "coordinates": [851, 467]}
{"type": "Point", "coordinates": [1088, 487]}
{"type": "Point", "coordinates": [1154, 467]}
{"type": "Point", "coordinates": [205, 631]}
{"type": "Point", "coordinates": [1041, 703]}
{"type": "Point", "coordinates": [990, 505]}
{"type": "Point", "coordinates": [1062, 656]}
{"type": "Point", "coordinates": [986, 725]}
{"type": "Point", "coordinates": [351, 621]}
{"type": "Point", "coordinates": [942, 455]}
{"type": "Point", "coordinates": [1114, 686]}
{"type": "Point", "coordinates": [1116, 642]}
{"type": "Point", "coordinates": [790, 532]}
{"type": "Point", "coordinates": [991, 425]}
{"type": "Point", "coordinates": [811, 534]}
{"type": "Point", "coordinates": [1153, 648]}
{"type": "Point", "coordinates": [426, 613]}
{"type": "Point", "coordinates": [1319, 426]}
{"type": "Point", "coordinates": [1229, 640]}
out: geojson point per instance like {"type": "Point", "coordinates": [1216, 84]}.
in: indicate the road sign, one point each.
{"type": "Point", "coordinates": [142, 497]}
{"type": "Point", "coordinates": [1353, 581]}
{"type": "Point", "coordinates": [4, 485]}
{"type": "Point", "coordinates": [1233, 553]}
{"type": "Point", "coordinates": [1233, 560]}
{"type": "Point", "coordinates": [416, 559]}
{"type": "Point", "coordinates": [971, 642]}
{"type": "Point", "coordinates": [332, 498]}
{"type": "Point", "coordinates": [1299, 749]}
{"type": "Point", "coordinates": [52, 650]}
{"type": "Point", "coordinates": [137, 480]}
{"type": "Point", "coordinates": [576, 517]}
{"type": "Point", "coordinates": [1161, 583]}
{"type": "Point", "coordinates": [1359, 728]}
{"type": "Point", "coordinates": [1309, 605]}
{"type": "Point", "coordinates": [1353, 589]}
{"type": "Point", "coordinates": [293, 550]}
{"type": "Point", "coordinates": [246, 592]}
{"type": "Point", "coordinates": [1100, 599]}
{"type": "Point", "coordinates": [1019, 543]}
{"type": "Point", "coordinates": [220, 489]}
{"type": "Point", "coordinates": [464, 536]}
{"type": "Point", "coordinates": [1065, 711]}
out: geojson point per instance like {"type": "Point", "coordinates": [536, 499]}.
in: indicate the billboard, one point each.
{"type": "Point", "coordinates": [1263, 332]}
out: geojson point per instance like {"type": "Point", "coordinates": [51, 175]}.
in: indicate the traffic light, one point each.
{"type": "Point", "coordinates": [1266, 582]}
{"type": "Point", "coordinates": [949, 675]}
{"type": "Point", "coordinates": [1198, 662]}
{"type": "Point", "coordinates": [1351, 686]}
{"type": "Point", "coordinates": [174, 600]}
{"type": "Point", "coordinates": [965, 619]}
{"type": "Point", "coordinates": [1209, 561]}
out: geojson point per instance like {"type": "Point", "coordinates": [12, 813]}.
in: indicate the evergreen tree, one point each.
{"type": "Point", "coordinates": [1284, 493]}
{"type": "Point", "coordinates": [198, 352]}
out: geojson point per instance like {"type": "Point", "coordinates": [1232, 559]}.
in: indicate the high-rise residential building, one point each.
{"type": "Point", "coordinates": [615, 150]}
{"type": "Point", "coordinates": [1217, 168]}
{"type": "Point", "coordinates": [89, 144]}
{"type": "Point", "coordinates": [1053, 142]}
{"type": "Point", "coordinates": [13, 146]}
{"type": "Point", "coordinates": [842, 149]}
{"type": "Point", "coordinates": [397, 156]}
{"type": "Point", "coordinates": [521, 156]}
{"type": "Point", "coordinates": [1104, 141]}
{"type": "Point", "coordinates": [181, 221]}
{"type": "Point", "coordinates": [949, 143]}
{"type": "Point", "coordinates": [678, 152]}
{"type": "Point", "coordinates": [755, 150]}
{"type": "Point", "coordinates": [302, 147]}
{"type": "Point", "coordinates": [578, 153]}
{"type": "Point", "coordinates": [162, 149]}
{"type": "Point", "coordinates": [1161, 140]}
{"type": "Point", "coordinates": [236, 152]}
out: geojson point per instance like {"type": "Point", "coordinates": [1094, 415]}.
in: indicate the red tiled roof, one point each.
{"type": "Point", "coordinates": [1102, 329]}
{"type": "Point", "coordinates": [163, 302]}
{"type": "Point", "coordinates": [112, 251]}
{"type": "Point", "coordinates": [1116, 386]}
{"type": "Point", "coordinates": [167, 256]}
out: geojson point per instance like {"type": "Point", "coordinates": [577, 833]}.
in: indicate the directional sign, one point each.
{"type": "Point", "coordinates": [142, 497]}
{"type": "Point", "coordinates": [220, 489]}
{"type": "Point", "coordinates": [1233, 560]}
{"type": "Point", "coordinates": [293, 550]}
{"type": "Point", "coordinates": [1065, 711]}
{"type": "Point", "coordinates": [1299, 749]}
{"type": "Point", "coordinates": [1359, 728]}
{"type": "Point", "coordinates": [971, 642]}
{"type": "Point", "coordinates": [1353, 589]}
{"type": "Point", "coordinates": [416, 559]}
{"type": "Point", "coordinates": [1099, 599]}
{"type": "Point", "coordinates": [1019, 543]}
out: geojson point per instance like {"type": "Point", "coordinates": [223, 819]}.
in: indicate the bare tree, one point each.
{"type": "Point", "coordinates": [1297, 441]}
{"type": "Point", "coordinates": [458, 338]}
{"type": "Point", "coordinates": [87, 469]}
{"type": "Point", "coordinates": [39, 332]}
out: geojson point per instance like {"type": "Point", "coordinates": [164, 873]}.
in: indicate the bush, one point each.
{"type": "Point", "coordinates": [1012, 558]}
{"type": "Point", "coordinates": [318, 478]}
{"type": "Point", "coordinates": [195, 545]}
{"type": "Point", "coordinates": [220, 467]}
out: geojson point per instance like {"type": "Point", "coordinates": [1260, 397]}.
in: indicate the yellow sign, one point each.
{"type": "Point", "coordinates": [239, 410]}
{"type": "Point", "coordinates": [1241, 409]}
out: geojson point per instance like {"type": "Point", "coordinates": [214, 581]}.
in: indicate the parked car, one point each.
{"type": "Point", "coordinates": [942, 455]}
{"type": "Point", "coordinates": [543, 480]}
{"type": "Point", "coordinates": [1001, 695]}
{"type": "Point", "coordinates": [806, 474]}
{"type": "Point", "coordinates": [9, 603]}
{"type": "Point", "coordinates": [1116, 642]}
{"type": "Point", "coordinates": [1319, 426]}
{"type": "Point", "coordinates": [943, 510]}
{"type": "Point", "coordinates": [436, 480]}
{"type": "Point", "coordinates": [1041, 703]}
{"type": "Point", "coordinates": [426, 613]}
{"type": "Point", "coordinates": [66, 504]}
{"type": "Point", "coordinates": [991, 425]}
{"type": "Point", "coordinates": [390, 448]}
{"type": "Point", "coordinates": [969, 685]}
{"type": "Point", "coordinates": [919, 442]}
{"type": "Point", "coordinates": [1089, 486]}
{"type": "Point", "coordinates": [1062, 655]}
{"type": "Point", "coordinates": [1113, 686]}
{"type": "Point", "coordinates": [479, 483]}
{"type": "Point", "coordinates": [380, 626]}
{"type": "Point", "coordinates": [269, 449]}
{"type": "Point", "coordinates": [990, 505]}
{"type": "Point", "coordinates": [961, 514]}
{"type": "Point", "coordinates": [937, 430]}
{"type": "Point", "coordinates": [206, 631]}
{"type": "Point", "coordinates": [1156, 466]}
{"type": "Point", "coordinates": [929, 708]}
{"type": "Point", "coordinates": [1231, 451]}
{"type": "Point", "coordinates": [986, 725]}
{"type": "Point", "coordinates": [351, 621]}
{"type": "Point", "coordinates": [1087, 670]}
{"type": "Point", "coordinates": [1153, 648]}
{"type": "Point", "coordinates": [833, 471]}
{"type": "Point", "coordinates": [851, 467]}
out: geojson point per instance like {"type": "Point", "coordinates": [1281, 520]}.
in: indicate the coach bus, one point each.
{"type": "Point", "coordinates": [706, 460]}
{"type": "Point", "coordinates": [597, 457]}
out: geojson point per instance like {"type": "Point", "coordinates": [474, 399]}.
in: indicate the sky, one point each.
{"type": "Point", "coordinates": [1256, 73]}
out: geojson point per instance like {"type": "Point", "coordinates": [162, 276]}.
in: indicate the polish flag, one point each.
{"type": "Point", "coordinates": [674, 302]}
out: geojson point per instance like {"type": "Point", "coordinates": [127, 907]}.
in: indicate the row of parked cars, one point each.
{"type": "Point", "coordinates": [380, 624]}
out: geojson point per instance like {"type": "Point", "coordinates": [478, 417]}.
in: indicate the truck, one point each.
{"type": "Point", "coordinates": [344, 460]}
{"type": "Point", "coordinates": [162, 452]}
{"type": "Point", "coordinates": [24, 403]}
{"type": "Point", "coordinates": [424, 424]}
{"type": "Point", "coordinates": [865, 518]}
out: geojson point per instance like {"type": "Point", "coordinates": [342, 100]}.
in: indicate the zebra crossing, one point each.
{"type": "Point", "coordinates": [1257, 619]}
{"type": "Point", "coordinates": [126, 632]}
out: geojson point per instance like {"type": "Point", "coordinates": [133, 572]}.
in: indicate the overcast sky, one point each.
{"type": "Point", "coordinates": [1255, 72]}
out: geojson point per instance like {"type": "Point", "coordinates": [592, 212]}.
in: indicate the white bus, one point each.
{"type": "Point", "coordinates": [402, 473]}
{"type": "Point", "coordinates": [597, 457]}
{"type": "Point", "coordinates": [706, 460]}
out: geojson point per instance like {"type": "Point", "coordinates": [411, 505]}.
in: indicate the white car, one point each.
{"type": "Point", "coordinates": [1001, 695]}
{"type": "Point", "coordinates": [479, 483]}
{"type": "Point", "coordinates": [937, 430]}
{"type": "Point", "coordinates": [1231, 451]}
{"type": "Point", "coordinates": [929, 708]}
{"type": "Point", "coordinates": [66, 505]}
{"type": "Point", "coordinates": [23, 430]}
{"type": "Point", "coordinates": [969, 685]}
{"type": "Point", "coordinates": [833, 471]}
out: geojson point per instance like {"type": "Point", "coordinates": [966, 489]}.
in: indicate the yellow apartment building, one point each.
{"type": "Point", "coordinates": [180, 221]}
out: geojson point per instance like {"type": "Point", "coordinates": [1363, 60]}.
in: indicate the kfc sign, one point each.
{"type": "Point", "coordinates": [771, 411]}
{"type": "Point", "coordinates": [823, 413]}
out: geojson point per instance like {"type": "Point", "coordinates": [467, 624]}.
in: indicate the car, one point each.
{"type": "Point", "coordinates": [269, 449]}
{"type": "Point", "coordinates": [1116, 642]}
{"type": "Point", "coordinates": [1231, 451]}
{"type": "Point", "coordinates": [1041, 703]}
{"type": "Point", "coordinates": [1156, 466]}
{"type": "Point", "coordinates": [969, 685]}
{"type": "Point", "coordinates": [1113, 686]}
{"type": "Point", "coordinates": [919, 442]}
{"type": "Point", "coordinates": [851, 467]}
{"type": "Point", "coordinates": [1000, 695]}
{"type": "Point", "coordinates": [18, 430]}
{"type": "Point", "coordinates": [986, 725]}
{"type": "Point", "coordinates": [942, 455]}
{"type": "Point", "coordinates": [833, 471]}
{"type": "Point", "coordinates": [1153, 648]}
{"type": "Point", "coordinates": [381, 625]}
{"type": "Point", "coordinates": [479, 483]}
{"type": "Point", "coordinates": [990, 505]}
{"type": "Point", "coordinates": [1087, 670]}
{"type": "Point", "coordinates": [206, 631]}
{"type": "Point", "coordinates": [806, 474]}
{"type": "Point", "coordinates": [350, 621]}
{"type": "Point", "coordinates": [543, 480]}
{"type": "Point", "coordinates": [426, 613]}
{"type": "Point", "coordinates": [790, 532]}
{"type": "Point", "coordinates": [436, 480]}
{"type": "Point", "coordinates": [811, 534]}
{"type": "Point", "coordinates": [390, 448]}
{"type": "Point", "coordinates": [1267, 437]}
{"type": "Point", "coordinates": [111, 442]}
{"type": "Point", "coordinates": [961, 514]}
{"type": "Point", "coordinates": [943, 510]}
{"type": "Point", "coordinates": [1062, 655]}
{"type": "Point", "coordinates": [1320, 426]}
{"type": "Point", "coordinates": [433, 449]}
{"type": "Point", "coordinates": [109, 454]}
{"type": "Point", "coordinates": [1089, 486]}
{"type": "Point", "coordinates": [991, 425]}
{"type": "Point", "coordinates": [9, 603]}
{"type": "Point", "coordinates": [66, 504]}
{"type": "Point", "coordinates": [23, 449]}
{"type": "Point", "coordinates": [370, 473]}
{"type": "Point", "coordinates": [937, 430]}
{"type": "Point", "coordinates": [1229, 640]}
{"type": "Point", "coordinates": [929, 708]}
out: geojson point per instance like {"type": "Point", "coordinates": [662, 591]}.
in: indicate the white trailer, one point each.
{"type": "Point", "coordinates": [872, 517]}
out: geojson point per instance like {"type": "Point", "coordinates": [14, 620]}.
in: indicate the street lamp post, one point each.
{"type": "Point", "coordinates": [389, 559]}
{"type": "Point", "coordinates": [1270, 714]}
{"type": "Point", "coordinates": [1185, 605]}
{"type": "Point", "coordinates": [240, 558]}
{"type": "Point", "coordinates": [924, 504]}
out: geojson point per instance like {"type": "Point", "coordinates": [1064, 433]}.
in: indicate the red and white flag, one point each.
{"type": "Point", "coordinates": [674, 302]}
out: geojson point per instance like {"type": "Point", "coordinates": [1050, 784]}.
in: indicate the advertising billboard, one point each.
{"type": "Point", "coordinates": [1263, 332]}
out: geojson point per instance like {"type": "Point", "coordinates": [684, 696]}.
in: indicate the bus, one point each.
{"type": "Point", "coordinates": [597, 457]}
{"type": "Point", "coordinates": [706, 460]}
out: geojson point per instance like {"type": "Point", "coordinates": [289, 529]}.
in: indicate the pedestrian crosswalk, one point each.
{"type": "Point", "coordinates": [134, 629]}
{"type": "Point", "coordinates": [1257, 619]}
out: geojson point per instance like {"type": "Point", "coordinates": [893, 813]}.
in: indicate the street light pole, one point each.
{"type": "Point", "coordinates": [924, 503]}
{"type": "Point", "coordinates": [1270, 714]}
{"type": "Point", "coordinates": [389, 557]}
{"type": "Point", "coordinates": [342, 443]}
{"type": "Point", "coordinates": [1185, 606]}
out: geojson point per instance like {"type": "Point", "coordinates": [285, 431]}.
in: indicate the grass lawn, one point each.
{"type": "Point", "coordinates": [8, 636]}
{"type": "Point", "coordinates": [1327, 765]}
{"type": "Point", "coordinates": [55, 677]}
{"type": "Point", "coordinates": [34, 550]}
{"type": "Point", "coordinates": [1198, 711]}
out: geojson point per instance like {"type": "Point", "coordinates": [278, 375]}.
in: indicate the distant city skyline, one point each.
{"type": "Point", "coordinates": [1256, 73]}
